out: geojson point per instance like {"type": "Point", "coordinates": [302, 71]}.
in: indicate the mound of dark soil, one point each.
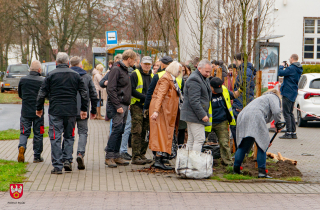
{"type": "Point", "coordinates": [280, 169]}
{"type": "Point", "coordinates": [152, 170]}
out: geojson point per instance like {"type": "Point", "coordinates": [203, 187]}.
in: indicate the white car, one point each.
{"type": "Point", "coordinates": [308, 99]}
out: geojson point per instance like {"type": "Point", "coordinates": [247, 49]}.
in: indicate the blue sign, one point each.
{"type": "Point", "coordinates": [111, 37]}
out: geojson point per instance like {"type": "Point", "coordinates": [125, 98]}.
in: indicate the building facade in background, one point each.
{"type": "Point", "coordinates": [297, 20]}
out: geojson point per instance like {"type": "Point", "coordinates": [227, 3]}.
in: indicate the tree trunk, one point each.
{"type": "Point", "coordinates": [201, 29]}
{"type": "Point", "coordinates": [90, 35]}
{"type": "Point", "coordinates": [1, 58]}
{"type": "Point", "coordinates": [245, 53]}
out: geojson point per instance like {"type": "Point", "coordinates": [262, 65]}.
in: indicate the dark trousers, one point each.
{"type": "Point", "coordinates": [287, 110]}
{"type": "Point", "coordinates": [181, 136]}
{"type": "Point", "coordinates": [57, 126]}
{"type": "Point", "coordinates": [244, 147]}
{"type": "Point", "coordinates": [83, 135]}
{"type": "Point", "coordinates": [118, 124]}
{"type": "Point", "coordinates": [139, 128]}
{"type": "Point", "coordinates": [38, 131]}
{"type": "Point", "coordinates": [233, 129]}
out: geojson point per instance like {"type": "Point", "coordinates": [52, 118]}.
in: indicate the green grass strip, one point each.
{"type": "Point", "coordinates": [11, 172]}
{"type": "Point", "coordinates": [12, 134]}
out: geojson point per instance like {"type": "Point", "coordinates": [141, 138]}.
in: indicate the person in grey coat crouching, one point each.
{"type": "Point", "coordinates": [195, 108]}
{"type": "Point", "coordinates": [251, 127]}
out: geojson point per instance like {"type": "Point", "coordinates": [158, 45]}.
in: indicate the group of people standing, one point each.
{"type": "Point", "coordinates": [153, 105]}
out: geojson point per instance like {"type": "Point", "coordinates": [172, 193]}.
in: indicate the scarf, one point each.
{"type": "Point", "coordinates": [178, 91]}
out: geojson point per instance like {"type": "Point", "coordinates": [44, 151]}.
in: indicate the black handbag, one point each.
{"type": "Point", "coordinates": [215, 150]}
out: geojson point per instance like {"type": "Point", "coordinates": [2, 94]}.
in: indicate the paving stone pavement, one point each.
{"type": "Point", "coordinates": [153, 200]}
{"type": "Point", "coordinates": [98, 177]}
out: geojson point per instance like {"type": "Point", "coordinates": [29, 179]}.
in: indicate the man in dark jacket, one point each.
{"type": "Point", "coordinates": [140, 82]}
{"type": "Point", "coordinates": [62, 86]}
{"type": "Point", "coordinates": [28, 91]}
{"type": "Point", "coordinates": [165, 61]}
{"type": "Point", "coordinates": [195, 108]}
{"type": "Point", "coordinates": [82, 124]}
{"type": "Point", "coordinates": [237, 105]}
{"type": "Point", "coordinates": [289, 91]}
{"type": "Point", "coordinates": [127, 131]}
{"type": "Point", "coordinates": [119, 99]}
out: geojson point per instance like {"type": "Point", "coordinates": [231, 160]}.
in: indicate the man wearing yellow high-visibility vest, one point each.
{"type": "Point", "coordinates": [140, 82]}
{"type": "Point", "coordinates": [222, 116]}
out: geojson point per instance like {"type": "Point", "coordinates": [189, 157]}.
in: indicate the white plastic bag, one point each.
{"type": "Point", "coordinates": [193, 164]}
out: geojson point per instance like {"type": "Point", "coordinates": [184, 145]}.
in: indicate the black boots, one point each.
{"type": "Point", "coordinates": [263, 173]}
{"type": "Point", "coordinates": [159, 164]}
{"type": "Point", "coordinates": [236, 169]}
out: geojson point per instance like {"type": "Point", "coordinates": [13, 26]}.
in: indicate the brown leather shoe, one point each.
{"type": "Point", "coordinates": [121, 162]}
{"type": "Point", "coordinates": [138, 161]}
{"type": "Point", "coordinates": [146, 159]}
{"type": "Point", "coordinates": [21, 154]}
{"type": "Point", "coordinates": [110, 163]}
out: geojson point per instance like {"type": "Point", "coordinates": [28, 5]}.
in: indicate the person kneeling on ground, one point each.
{"type": "Point", "coordinates": [222, 115]}
{"type": "Point", "coordinates": [251, 127]}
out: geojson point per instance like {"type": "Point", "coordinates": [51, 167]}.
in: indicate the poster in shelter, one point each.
{"type": "Point", "coordinates": [269, 64]}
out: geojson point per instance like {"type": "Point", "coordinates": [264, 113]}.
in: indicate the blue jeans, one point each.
{"type": "Point", "coordinates": [244, 148]}
{"type": "Point", "coordinates": [110, 129]}
{"type": "Point", "coordinates": [98, 104]}
{"type": "Point", "coordinates": [126, 135]}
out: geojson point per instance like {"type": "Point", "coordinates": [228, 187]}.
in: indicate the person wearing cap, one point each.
{"type": "Point", "coordinates": [165, 61]}
{"type": "Point", "coordinates": [140, 82]}
{"type": "Point", "coordinates": [222, 115]}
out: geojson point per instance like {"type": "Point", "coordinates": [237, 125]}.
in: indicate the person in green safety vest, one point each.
{"type": "Point", "coordinates": [140, 82]}
{"type": "Point", "coordinates": [222, 116]}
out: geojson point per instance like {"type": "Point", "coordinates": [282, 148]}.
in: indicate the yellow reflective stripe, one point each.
{"type": "Point", "coordinates": [179, 81]}
{"type": "Point", "coordinates": [160, 74]}
{"type": "Point", "coordinates": [139, 85]}
{"type": "Point", "coordinates": [209, 127]}
{"type": "Point", "coordinates": [226, 96]}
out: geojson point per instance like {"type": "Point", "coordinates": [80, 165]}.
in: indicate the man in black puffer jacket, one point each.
{"type": "Point", "coordinates": [62, 86]}
{"type": "Point", "coordinates": [82, 124]}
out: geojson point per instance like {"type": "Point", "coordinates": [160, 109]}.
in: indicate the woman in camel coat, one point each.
{"type": "Point", "coordinates": [97, 76]}
{"type": "Point", "coordinates": [163, 114]}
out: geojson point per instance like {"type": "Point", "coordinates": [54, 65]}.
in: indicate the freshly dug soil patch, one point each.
{"type": "Point", "coordinates": [280, 169]}
{"type": "Point", "coordinates": [152, 170]}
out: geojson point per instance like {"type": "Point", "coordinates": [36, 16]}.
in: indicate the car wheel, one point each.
{"type": "Point", "coordinates": [301, 122]}
{"type": "Point", "coordinates": [2, 90]}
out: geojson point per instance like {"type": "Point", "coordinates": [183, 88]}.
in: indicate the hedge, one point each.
{"type": "Point", "coordinates": [311, 69]}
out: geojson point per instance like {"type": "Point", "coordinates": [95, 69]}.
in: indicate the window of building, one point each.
{"type": "Point", "coordinates": [311, 48]}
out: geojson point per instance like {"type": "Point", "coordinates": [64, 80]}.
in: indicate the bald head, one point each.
{"type": "Point", "coordinates": [35, 66]}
